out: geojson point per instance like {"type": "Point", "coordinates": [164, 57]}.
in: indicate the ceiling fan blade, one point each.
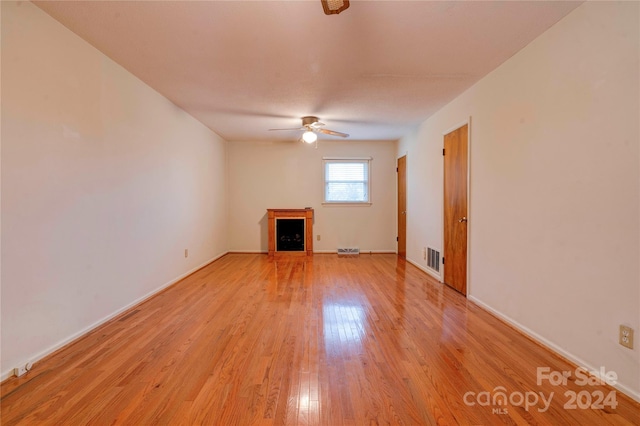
{"type": "Point", "coordinates": [297, 128]}
{"type": "Point", "coordinates": [333, 133]}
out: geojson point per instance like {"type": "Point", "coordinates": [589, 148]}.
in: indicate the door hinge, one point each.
{"type": "Point", "coordinates": [397, 239]}
{"type": "Point", "coordinates": [396, 170]}
{"type": "Point", "coordinates": [442, 151]}
{"type": "Point", "coordinates": [443, 260]}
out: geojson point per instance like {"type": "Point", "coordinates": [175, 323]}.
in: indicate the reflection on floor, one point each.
{"type": "Point", "coordinates": [324, 340]}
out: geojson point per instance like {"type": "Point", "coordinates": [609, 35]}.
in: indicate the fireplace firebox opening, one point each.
{"type": "Point", "coordinates": [290, 234]}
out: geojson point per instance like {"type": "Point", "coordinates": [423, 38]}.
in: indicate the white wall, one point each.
{"type": "Point", "coordinates": [554, 202]}
{"type": "Point", "coordinates": [289, 175]}
{"type": "Point", "coordinates": [104, 184]}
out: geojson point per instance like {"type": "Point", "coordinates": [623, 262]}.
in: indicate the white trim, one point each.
{"type": "Point", "coordinates": [343, 203]}
{"type": "Point", "coordinates": [334, 251]}
{"type": "Point", "coordinates": [362, 252]}
{"type": "Point", "coordinates": [363, 160]}
{"type": "Point", "coordinates": [552, 346]}
{"type": "Point", "coordinates": [426, 270]}
{"type": "Point", "coordinates": [469, 224]}
{"type": "Point", "coordinates": [457, 126]}
{"type": "Point", "coordinates": [35, 358]}
{"type": "Point", "coordinates": [348, 158]}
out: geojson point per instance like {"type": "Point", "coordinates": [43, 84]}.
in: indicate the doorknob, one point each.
{"type": "Point", "coordinates": [404, 212]}
{"type": "Point", "coordinates": [462, 220]}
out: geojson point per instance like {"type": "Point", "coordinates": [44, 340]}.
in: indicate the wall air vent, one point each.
{"type": "Point", "coordinates": [348, 250]}
{"type": "Point", "coordinates": [433, 259]}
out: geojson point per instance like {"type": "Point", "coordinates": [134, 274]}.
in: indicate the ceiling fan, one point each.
{"type": "Point", "coordinates": [312, 126]}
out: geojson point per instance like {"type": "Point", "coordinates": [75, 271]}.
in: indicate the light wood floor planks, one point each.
{"type": "Point", "coordinates": [295, 341]}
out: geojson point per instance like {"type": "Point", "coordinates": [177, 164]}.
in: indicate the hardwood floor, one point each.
{"type": "Point", "coordinates": [326, 340]}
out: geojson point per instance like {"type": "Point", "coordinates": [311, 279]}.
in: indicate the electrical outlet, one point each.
{"type": "Point", "coordinates": [626, 336]}
{"type": "Point", "coordinates": [186, 252]}
{"type": "Point", "coordinates": [22, 370]}
{"type": "Point", "coordinates": [424, 253]}
{"type": "Point", "coordinates": [318, 237]}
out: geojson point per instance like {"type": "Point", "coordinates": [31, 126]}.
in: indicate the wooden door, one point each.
{"type": "Point", "coordinates": [402, 206]}
{"type": "Point", "coordinates": [455, 209]}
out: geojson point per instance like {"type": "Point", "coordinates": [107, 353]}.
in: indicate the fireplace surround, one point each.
{"type": "Point", "coordinates": [290, 232]}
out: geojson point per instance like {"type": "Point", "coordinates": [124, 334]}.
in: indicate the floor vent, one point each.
{"type": "Point", "coordinates": [433, 259]}
{"type": "Point", "coordinates": [348, 250]}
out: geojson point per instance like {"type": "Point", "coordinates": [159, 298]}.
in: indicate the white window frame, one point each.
{"type": "Point", "coordinates": [325, 160]}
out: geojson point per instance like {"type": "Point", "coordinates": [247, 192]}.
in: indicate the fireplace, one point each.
{"type": "Point", "coordinates": [290, 231]}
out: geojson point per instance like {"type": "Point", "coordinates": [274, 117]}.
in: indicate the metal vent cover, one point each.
{"type": "Point", "coordinates": [348, 250]}
{"type": "Point", "coordinates": [433, 259]}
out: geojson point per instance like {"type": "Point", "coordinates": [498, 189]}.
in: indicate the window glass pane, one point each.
{"type": "Point", "coordinates": [346, 171]}
{"type": "Point", "coordinates": [346, 181]}
{"type": "Point", "coordinates": [346, 191]}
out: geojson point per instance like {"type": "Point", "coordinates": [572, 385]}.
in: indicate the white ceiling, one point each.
{"type": "Point", "coordinates": [374, 71]}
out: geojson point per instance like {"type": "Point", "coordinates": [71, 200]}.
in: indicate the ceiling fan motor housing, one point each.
{"type": "Point", "coordinates": [309, 120]}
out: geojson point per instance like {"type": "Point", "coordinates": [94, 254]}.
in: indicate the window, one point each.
{"type": "Point", "coordinates": [346, 180]}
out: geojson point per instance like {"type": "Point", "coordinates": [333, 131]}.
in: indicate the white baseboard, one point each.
{"type": "Point", "coordinates": [426, 270]}
{"type": "Point", "coordinates": [334, 251]}
{"type": "Point", "coordinates": [35, 358]}
{"type": "Point", "coordinates": [315, 251]}
{"type": "Point", "coordinates": [553, 347]}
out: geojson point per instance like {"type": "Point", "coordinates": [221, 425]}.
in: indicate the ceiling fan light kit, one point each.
{"type": "Point", "coordinates": [309, 136]}
{"type": "Point", "coordinates": [332, 7]}
{"type": "Point", "coordinates": [312, 126]}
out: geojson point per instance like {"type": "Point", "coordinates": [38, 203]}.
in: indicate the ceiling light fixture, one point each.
{"type": "Point", "coordinates": [334, 6]}
{"type": "Point", "coordinates": [309, 136]}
